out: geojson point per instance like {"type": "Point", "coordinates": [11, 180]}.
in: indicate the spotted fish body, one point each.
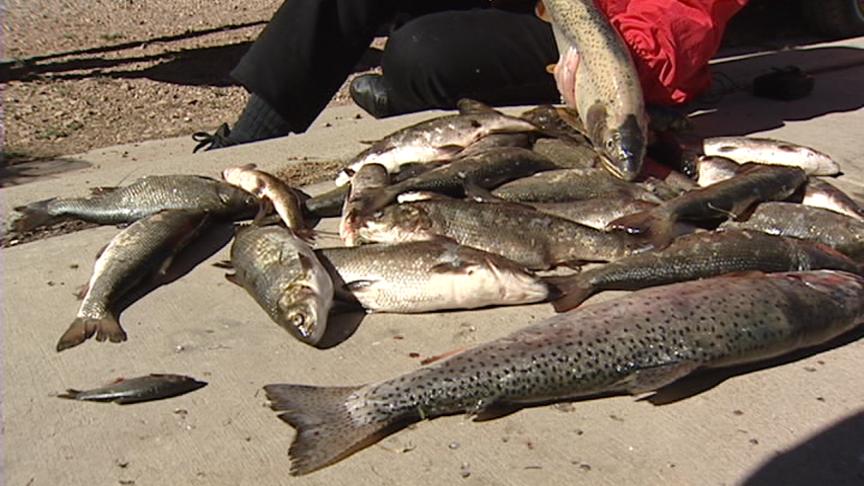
{"type": "Point", "coordinates": [604, 88]}
{"type": "Point", "coordinates": [830, 228]}
{"type": "Point", "coordinates": [634, 344]}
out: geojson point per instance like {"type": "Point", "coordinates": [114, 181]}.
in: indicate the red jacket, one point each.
{"type": "Point", "coordinates": [672, 42]}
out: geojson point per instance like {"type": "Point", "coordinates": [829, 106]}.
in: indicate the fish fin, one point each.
{"type": "Point", "coordinates": [234, 279]}
{"type": "Point", "coordinates": [452, 267]}
{"type": "Point", "coordinates": [477, 193]}
{"type": "Point", "coordinates": [81, 291]}
{"type": "Point", "coordinates": [451, 150]}
{"type": "Point", "coordinates": [226, 264]}
{"type": "Point", "coordinates": [306, 234]}
{"type": "Point", "coordinates": [572, 291]}
{"type": "Point", "coordinates": [467, 106]}
{"type": "Point", "coordinates": [83, 329]}
{"type": "Point", "coordinates": [650, 379]}
{"type": "Point", "coordinates": [34, 215]}
{"type": "Point", "coordinates": [71, 394]}
{"type": "Point", "coordinates": [326, 432]}
{"type": "Point", "coordinates": [358, 285]}
{"type": "Point", "coordinates": [265, 207]}
{"type": "Point", "coordinates": [658, 229]}
{"type": "Point", "coordinates": [102, 190]}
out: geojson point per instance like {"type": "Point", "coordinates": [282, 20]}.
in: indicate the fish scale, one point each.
{"type": "Point", "coordinates": [634, 344]}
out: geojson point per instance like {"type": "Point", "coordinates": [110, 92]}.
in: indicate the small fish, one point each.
{"type": "Point", "coordinates": [528, 237]}
{"type": "Point", "coordinates": [145, 248]}
{"type": "Point", "coordinates": [702, 255]}
{"type": "Point", "coordinates": [362, 194]}
{"type": "Point", "coordinates": [571, 185]}
{"type": "Point", "coordinates": [771, 152]}
{"type": "Point", "coordinates": [268, 187]}
{"type": "Point", "coordinates": [838, 231]}
{"type": "Point", "coordinates": [433, 140]}
{"type": "Point", "coordinates": [283, 274]}
{"type": "Point", "coordinates": [711, 169]}
{"type": "Point", "coordinates": [724, 200]}
{"type": "Point", "coordinates": [635, 344]}
{"type": "Point", "coordinates": [142, 198]}
{"type": "Point", "coordinates": [596, 75]}
{"type": "Point", "coordinates": [427, 276]}
{"type": "Point", "coordinates": [596, 213]}
{"type": "Point", "coordinates": [137, 390]}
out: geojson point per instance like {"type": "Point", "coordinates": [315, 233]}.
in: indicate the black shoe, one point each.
{"type": "Point", "coordinates": [221, 138]}
{"type": "Point", "coordinates": [369, 92]}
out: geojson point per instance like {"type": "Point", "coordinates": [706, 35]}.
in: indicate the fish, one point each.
{"type": "Point", "coordinates": [815, 192]}
{"type": "Point", "coordinates": [136, 390]}
{"type": "Point", "coordinates": [329, 204]}
{"type": "Point", "coordinates": [596, 75]}
{"type": "Point", "coordinates": [481, 170]}
{"type": "Point", "coordinates": [144, 249]}
{"type": "Point", "coordinates": [567, 155]}
{"type": "Point", "coordinates": [433, 140]}
{"type": "Point", "coordinates": [772, 152]}
{"type": "Point", "coordinates": [571, 185]}
{"type": "Point", "coordinates": [144, 197]}
{"type": "Point", "coordinates": [702, 255]}
{"type": "Point", "coordinates": [715, 203]}
{"type": "Point", "coordinates": [528, 237]}
{"type": "Point", "coordinates": [818, 193]}
{"type": "Point", "coordinates": [631, 345]}
{"type": "Point", "coordinates": [283, 274]}
{"type": "Point", "coordinates": [427, 276]}
{"type": "Point", "coordinates": [364, 187]}
{"type": "Point", "coordinates": [596, 213]}
{"type": "Point", "coordinates": [285, 200]}
{"type": "Point", "coordinates": [836, 230]}
{"type": "Point", "coordinates": [560, 122]}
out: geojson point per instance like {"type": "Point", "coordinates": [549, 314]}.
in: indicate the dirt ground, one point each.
{"type": "Point", "coordinates": [85, 75]}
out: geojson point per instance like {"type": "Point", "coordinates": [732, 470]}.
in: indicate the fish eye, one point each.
{"type": "Point", "coordinates": [298, 320]}
{"type": "Point", "coordinates": [610, 144]}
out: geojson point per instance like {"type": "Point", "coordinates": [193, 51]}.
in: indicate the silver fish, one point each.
{"type": "Point", "coordinates": [145, 248]}
{"type": "Point", "coordinates": [772, 152]}
{"type": "Point", "coordinates": [427, 276]}
{"type": "Point", "coordinates": [137, 390]}
{"type": "Point", "coordinates": [634, 344]}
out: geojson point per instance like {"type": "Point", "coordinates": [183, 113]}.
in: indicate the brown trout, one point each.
{"type": "Point", "coordinates": [145, 248]}
{"type": "Point", "coordinates": [702, 255]}
{"type": "Point", "coordinates": [596, 75]}
{"type": "Point", "coordinates": [715, 203]}
{"type": "Point", "coordinates": [634, 344]}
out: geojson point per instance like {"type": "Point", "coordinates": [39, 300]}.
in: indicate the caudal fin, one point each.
{"type": "Point", "coordinates": [572, 291]}
{"type": "Point", "coordinates": [657, 227]}
{"type": "Point", "coordinates": [34, 215]}
{"type": "Point", "coordinates": [82, 329]}
{"type": "Point", "coordinates": [326, 430]}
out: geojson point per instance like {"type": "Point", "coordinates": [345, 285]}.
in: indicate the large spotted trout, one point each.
{"type": "Point", "coordinates": [596, 75]}
{"type": "Point", "coordinates": [634, 344]}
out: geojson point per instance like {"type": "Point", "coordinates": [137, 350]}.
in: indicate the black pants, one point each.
{"type": "Point", "coordinates": [448, 50]}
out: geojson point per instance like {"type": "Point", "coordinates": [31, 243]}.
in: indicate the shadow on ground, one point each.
{"type": "Point", "coordinates": [28, 171]}
{"type": "Point", "coordinates": [834, 456]}
{"type": "Point", "coordinates": [838, 73]}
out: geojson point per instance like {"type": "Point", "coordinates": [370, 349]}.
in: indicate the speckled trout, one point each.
{"type": "Point", "coordinates": [596, 75]}
{"type": "Point", "coordinates": [634, 344]}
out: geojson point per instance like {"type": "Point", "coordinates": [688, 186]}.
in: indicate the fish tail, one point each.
{"type": "Point", "coordinates": [83, 328]}
{"type": "Point", "coordinates": [34, 215]}
{"type": "Point", "coordinates": [571, 291]}
{"type": "Point", "coordinates": [71, 394]}
{"type": "Point", "coordinates": [326, 431]}
{"type": "Point", "coordinates": [659, 229]}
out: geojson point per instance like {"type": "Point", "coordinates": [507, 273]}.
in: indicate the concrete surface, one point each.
{"type": "Point", "coordinates": [801, 422]}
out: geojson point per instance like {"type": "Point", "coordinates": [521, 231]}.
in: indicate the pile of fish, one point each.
{"type": "Point", "coordinates": [745, 254]}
